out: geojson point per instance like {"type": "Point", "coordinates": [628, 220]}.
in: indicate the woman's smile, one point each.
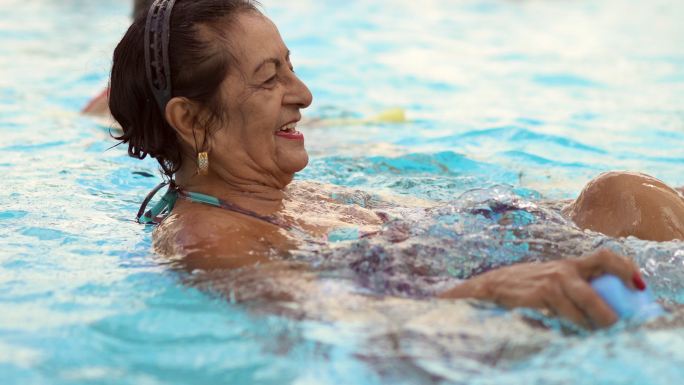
{"type": "Point", "coordinates": [289, 132]}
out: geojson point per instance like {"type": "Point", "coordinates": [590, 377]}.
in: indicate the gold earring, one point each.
{"type": "Point", "coordinates": [203, 163]}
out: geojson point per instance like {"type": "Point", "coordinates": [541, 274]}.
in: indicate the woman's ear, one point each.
{"type": "Point", "coordinates": [181, 114]}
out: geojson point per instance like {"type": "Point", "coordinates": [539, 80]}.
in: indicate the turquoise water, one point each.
{"type": "Point", "coordinates": [512, 103]}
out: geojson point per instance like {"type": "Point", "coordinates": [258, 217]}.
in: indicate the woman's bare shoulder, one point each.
{"type": "Point", "coordinates": [200, 237]}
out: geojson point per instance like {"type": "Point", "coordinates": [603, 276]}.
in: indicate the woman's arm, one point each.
{"type": "Point", "coordinates": [561, 287]}
{"type": "Point", "coordinates": [236, 243]}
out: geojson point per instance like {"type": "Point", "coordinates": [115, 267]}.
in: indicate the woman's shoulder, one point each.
{"type": "Point", "coordinates": [206, 237]}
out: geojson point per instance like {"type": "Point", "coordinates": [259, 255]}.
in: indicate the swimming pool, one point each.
{"type": "Point", "coordinates": [522, 101]}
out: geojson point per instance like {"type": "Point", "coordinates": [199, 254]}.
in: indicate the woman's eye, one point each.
{"type": "Point", "coordinates": [271, 80]}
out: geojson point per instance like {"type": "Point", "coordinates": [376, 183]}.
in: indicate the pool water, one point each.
{"type": "Point", "coordinates": [512, 106]}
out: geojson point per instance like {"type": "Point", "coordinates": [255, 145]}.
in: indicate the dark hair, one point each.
{"type": "Point", "coordinates": [199, 63]}
{"type": "Point", "coordinates": [140, 7]}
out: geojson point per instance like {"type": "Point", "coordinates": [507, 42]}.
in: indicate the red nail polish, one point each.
{"type": "Point", "coordinates": [638, 281]}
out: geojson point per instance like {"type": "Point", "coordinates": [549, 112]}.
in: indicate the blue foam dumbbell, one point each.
{"type": "Point", "coordinates": [627, 303]}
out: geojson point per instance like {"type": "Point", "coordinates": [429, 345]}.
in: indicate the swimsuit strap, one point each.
{"type": "Point", "coordinates": [160, 210]}
{"type": "Point", "coordinates": [216, 202]}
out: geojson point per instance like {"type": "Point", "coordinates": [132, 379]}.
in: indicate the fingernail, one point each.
{"type": "Point", "coordinates": [638, 281]}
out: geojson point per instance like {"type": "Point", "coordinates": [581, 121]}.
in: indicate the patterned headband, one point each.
{"type": "Point", "coordinates": [157, 34]}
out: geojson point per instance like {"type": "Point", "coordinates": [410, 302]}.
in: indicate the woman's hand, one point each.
{"type": "Point", "coordinates": [561, 287]}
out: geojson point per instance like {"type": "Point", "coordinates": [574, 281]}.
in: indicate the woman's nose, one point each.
{"type": "Point", "coordinates": [298, 94]}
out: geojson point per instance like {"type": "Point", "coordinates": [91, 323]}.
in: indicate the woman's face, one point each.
{"type": "Point", "coordinates": [260, 142]}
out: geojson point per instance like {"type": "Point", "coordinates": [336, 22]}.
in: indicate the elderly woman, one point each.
{"type": "Point", "coordinates": [207, 87]}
